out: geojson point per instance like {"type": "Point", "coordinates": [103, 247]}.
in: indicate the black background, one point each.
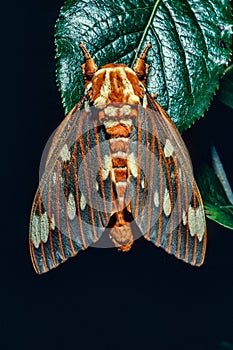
{"type": "Point", "coordinates": [101, 299]}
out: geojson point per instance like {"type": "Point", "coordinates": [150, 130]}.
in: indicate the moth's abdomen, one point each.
{"type": "Point", "coordinates": [119, 133]}
{"type": "Point", "coordinates": [119, 128]}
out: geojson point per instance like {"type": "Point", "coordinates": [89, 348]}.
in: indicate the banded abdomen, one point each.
{"type": "Point", "coordinates": [119, 131]}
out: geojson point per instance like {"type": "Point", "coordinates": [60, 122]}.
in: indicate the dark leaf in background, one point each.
{"type": "Point", "coordinates": [216, 192]}
{"type": "Point", "coordinates": [191, 47]}
{"type": "Point", "coordinates": [225, 94]}
{"type": "Point", "coordinates": [226, 346]}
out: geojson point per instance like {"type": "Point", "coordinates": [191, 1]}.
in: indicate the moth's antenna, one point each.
{"type": "Point", "coordinates": [141, 67]}
{"type": "Point", "coordinates": [90, 67]}
{"type": "Point", "coordinates": [145, 51]}
{"type": "Point", "coordinates": [86, 54]}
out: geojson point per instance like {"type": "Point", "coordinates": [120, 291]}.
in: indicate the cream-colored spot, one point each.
{"type": "Point", "coordinates": [54, 178]}
{"type": "Point", "coordinates": [145, 102]}
{"type": "Point", "coordinates": [44, 227]}
{"type": "Point", "coordinates": [134, 99]}
{"type": "Point", "coordinates": [110, 123]}
{"type": "Point", "coordinates": [105, 89]}
{"type": "Point", "coordinates": [172, 175]}
{"type": "Point", "coordinates": [87, 106]}
{"type": "Point", "coordinates": [122, 167]}
{"type": "Point", "coordinates": [53, 223]}
{"type": "Point", "coordinates": [184, 218]}
{"type": "Point", "coordinates": [111, 111]}
{"type": "Point", "coordinates": [180, 174]}
{"type": "Point", "coordinates": [192, 220]}
{"type": "Point", "coordinates": [200, 219]}
{"type": "Point", "coordinates": [156, 199]}
{"type": "Point", "coordinates": [126, 122]}
{"type": "Point", "coordinates": [39, 229]}
{"type": "Point", "coordinates": [196, 222]}
{"type": "Point", "coordinates": [168, 149]}
{"type": "Point", "coordinates": [143, 183]}
{"type": "Point", "coordinates": [97, 186]}
{"type": "Point", "coordinates": [128, 88]}
{"type": "Point", "coordinates": [82, 202]}
{"type": "Point", "coordinates": [88, 87]}
{"type": "Point", "coordinates": [132, 163]}
{"type": "Point", "coordinates": [113, 176]}
{"type": "Point", "coordinates": [100, 102]}
{"type": "Point", "coordinates": [105, 173]}
{"type": "Point", "coordinates": [35, 231]}
{"type": "Point", "coordinates": [125, 110]}
{"type": "Point", "coordinates": [107, 165]}
{"type": "Point", "coordinates": [121, 183]}
{"type": "Point", "coordinates": [65, 153]}
{"type": "Point", "coordinates": [61, 179]}
{"type": "Point", "coordinates": [166, 203]}
{"type": "Point", "coordinates": [114, 139]}
{"type": "Point", "coordinates": [71, 206]}
{"type": "Point", "coordinates": [119, 154]}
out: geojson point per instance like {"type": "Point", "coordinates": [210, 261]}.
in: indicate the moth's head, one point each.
{"type": "Point", "coordinates": [115, 82]}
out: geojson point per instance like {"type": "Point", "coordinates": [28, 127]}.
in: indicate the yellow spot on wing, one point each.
{"type": "Point", "coordinates": [166, 203]}
{"type": "Point", "coordinates": [168, 149]}
{"type": "Point", "coordinates": [196, 222]}
{"type": "Point", "coordinates": [156, 198]}
{"type": "Point", "coordinates": [82, 202]}
{"type": "Point", "coordinates": [133, 164]}
{"type": "Point", "coordinates": [107, 164]}
{"type": "Point", "coordinates": [65, 153]}
{"type": "Point", "coordinates": [71, 206]}
{"type": "Point", "coordinates": [35, 230]}
{"type": "Point", "coordinates": [44, 227]}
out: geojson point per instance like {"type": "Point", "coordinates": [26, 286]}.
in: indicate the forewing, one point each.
{"type": "Point", "coordinates": [72, 205]}
{"type": "Point", "coordinates": [165, 200]}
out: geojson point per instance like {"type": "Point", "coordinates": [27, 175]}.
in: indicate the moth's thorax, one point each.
{"type": "Point", "coordinates": [115, 83]}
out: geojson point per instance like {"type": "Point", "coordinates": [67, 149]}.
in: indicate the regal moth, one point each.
{"type": "Point", "coordinates": [116, 158]}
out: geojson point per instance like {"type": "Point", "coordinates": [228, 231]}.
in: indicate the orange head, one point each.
{"type": "Point", "coordinates": [115, 83]}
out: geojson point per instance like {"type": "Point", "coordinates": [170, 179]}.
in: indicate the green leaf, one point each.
{"type": "Point", "coordinates": [225, 94]}
{"type": "Point", "coordinates": [216, 192]}
{"type": "Point", "coordinates": [191, 46]}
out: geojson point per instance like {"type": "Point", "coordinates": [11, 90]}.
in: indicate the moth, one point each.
{"type": "Point", "coordinates": [116, 158]}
